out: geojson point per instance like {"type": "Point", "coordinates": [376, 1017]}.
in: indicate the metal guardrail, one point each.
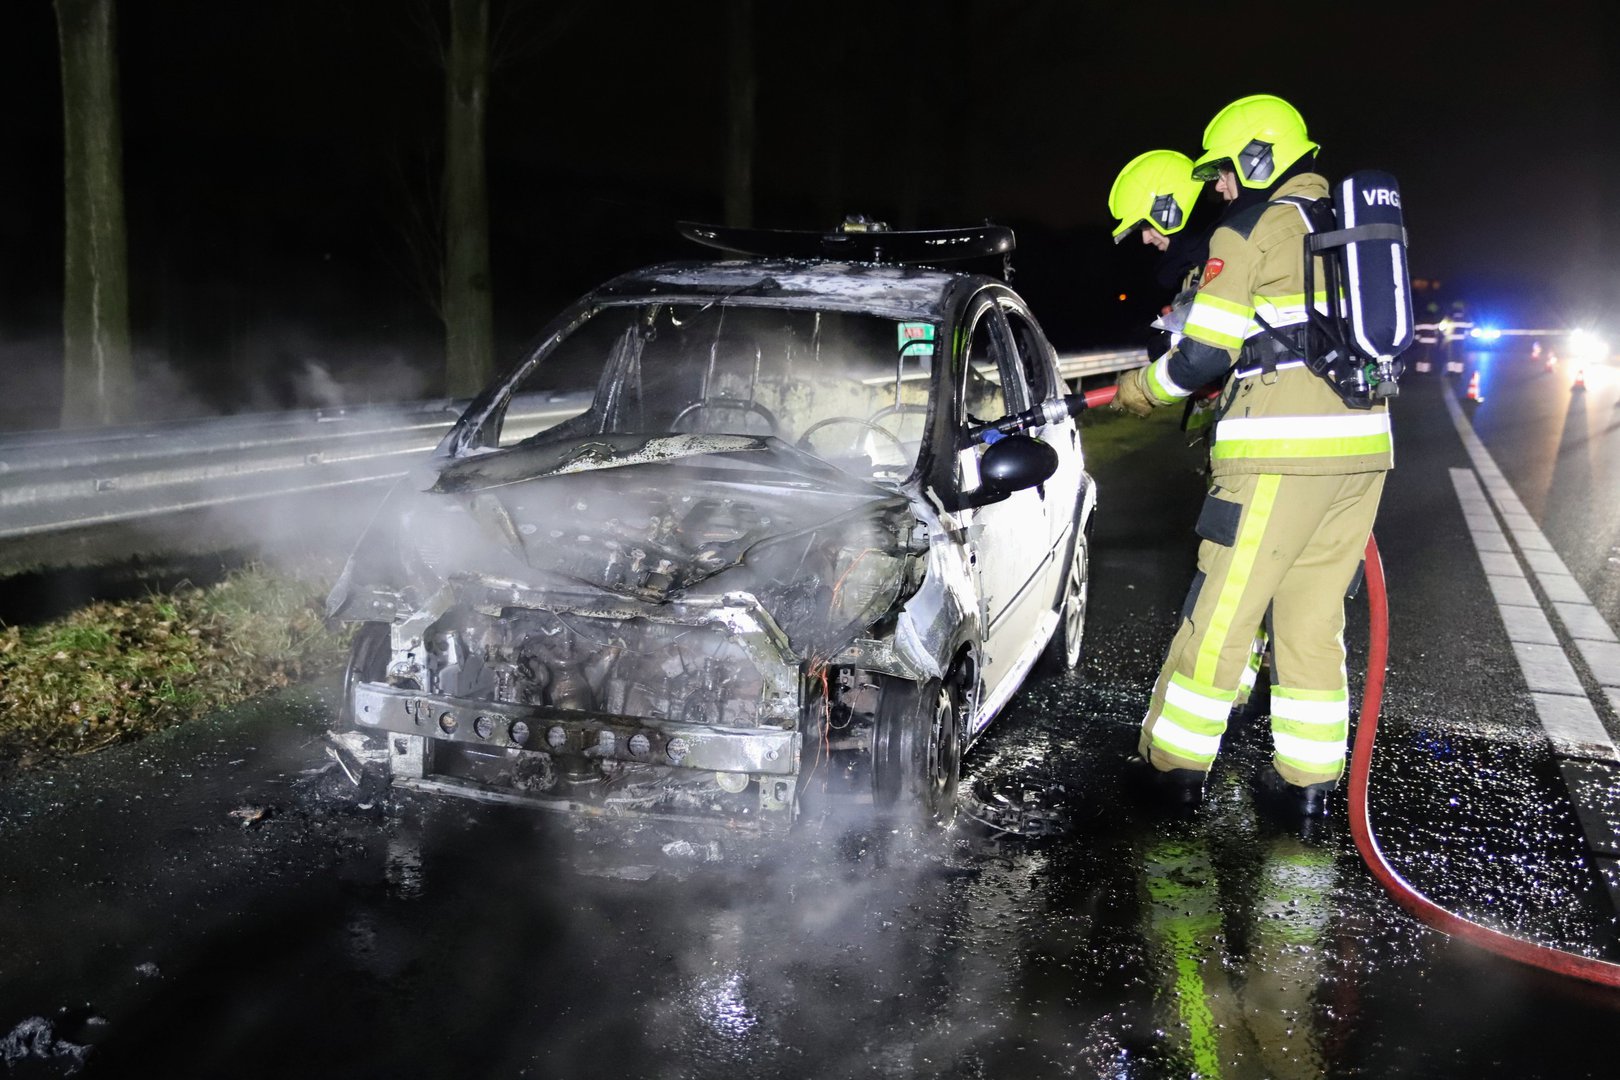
{"type": "Point", "coordinates": [62, 480]}
{"type": "Point", "coordinates": [58, 482]}
{"type": "Point", "coordinates": [1075, 366]}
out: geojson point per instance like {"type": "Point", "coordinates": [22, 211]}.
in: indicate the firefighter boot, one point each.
{"type": "Point", "coordinates": [1177, 790]}
{"type": "Point", "coordinates": [1293, 803]}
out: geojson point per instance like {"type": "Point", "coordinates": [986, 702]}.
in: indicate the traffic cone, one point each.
{"type": "Point", "coordinates": [1552, 360]}
{"type": "Point", "coordinates": [1580, 378]}
{"type": "Point", "coordinates": [1473, 388]}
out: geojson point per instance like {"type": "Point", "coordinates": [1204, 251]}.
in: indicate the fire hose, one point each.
{"type": "Point", "coordinates": [1532, 954]}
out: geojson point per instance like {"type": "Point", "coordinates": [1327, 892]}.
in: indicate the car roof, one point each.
{"type": "Point", "coordinates": [906, 292]}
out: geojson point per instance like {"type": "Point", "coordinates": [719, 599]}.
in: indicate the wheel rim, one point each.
{"type": "Point", "coordinates": [1074, 603]}
{"type": "Point", "coordinates": [941, 765]}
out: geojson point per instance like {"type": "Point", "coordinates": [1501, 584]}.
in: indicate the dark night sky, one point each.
{"type": "Point", "coordinates": [271, 151]}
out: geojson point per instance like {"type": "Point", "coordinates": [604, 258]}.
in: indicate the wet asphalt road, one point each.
{"type": "Point", "coordinates": [142, 914]}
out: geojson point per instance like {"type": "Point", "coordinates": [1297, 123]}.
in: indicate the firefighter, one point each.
{"type": "Point", "coordinates": [1154, 196]}
{"type": "Point", "coordinates": [1297, 476]}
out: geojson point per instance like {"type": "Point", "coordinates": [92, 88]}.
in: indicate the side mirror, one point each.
{"type": "Point", "coordinates": [1011, 463]}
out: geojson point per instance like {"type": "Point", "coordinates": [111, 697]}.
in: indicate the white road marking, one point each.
{"type": "Point", "coordinates": [1572, 725]}
{"type": "Point", "coordinates": [1491, 541]}
{"type": "Point", "coordinates": [1546, 562]}
{"type": "Point", "coordinates": [1505, 563]}
{"type": "Point", "coordinates": [1562, 588]}
{"type": "Point", "coordinates": [1603, 657]}
{"type": "Point", "coordinates": [1528, 624]}
{"type": "Point", "coordinates": [1547, 669]}
{"type": "Point", "coordinates": [1566, 714]}
{"type": "Point", "coordinates": [1583, 621]}
{"type": "Point", "coordinates": [1512, 590]}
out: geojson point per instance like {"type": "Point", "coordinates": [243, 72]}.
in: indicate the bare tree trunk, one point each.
{"type": "Point", "coordinates": [740, 133]}
{"type": "Point", "coordinates": [97, 371]}
{"type": "Point", "coordinates": [469, 318]}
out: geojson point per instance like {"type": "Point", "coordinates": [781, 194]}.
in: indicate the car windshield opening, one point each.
{"type": "Point", "coordinates": [850, 388]}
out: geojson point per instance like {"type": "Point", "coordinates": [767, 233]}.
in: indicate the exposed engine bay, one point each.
{"type": "Point", "coordinates": [653, 646]}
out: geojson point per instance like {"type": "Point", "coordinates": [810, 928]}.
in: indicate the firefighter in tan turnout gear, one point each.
{"type": "Point", "coordinates": [1297, 474]}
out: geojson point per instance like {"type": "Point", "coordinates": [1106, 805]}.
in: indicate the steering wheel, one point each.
{"type": "Point", "coordinates": [804, 440]}
{"type": "Point", "coordinates": [735, 405]}
{"type": "Point", "coordinates": [904, 409]}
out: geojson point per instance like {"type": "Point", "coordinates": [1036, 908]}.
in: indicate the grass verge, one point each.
{"type": "Point", "coordinates": [115, 671]}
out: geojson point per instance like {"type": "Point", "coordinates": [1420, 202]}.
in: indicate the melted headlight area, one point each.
{"type": "Point", "coordinates": [597, 711]}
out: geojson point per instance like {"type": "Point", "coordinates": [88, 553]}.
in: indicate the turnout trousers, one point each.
{"type": "Point", "coordinates": [1288, 543]}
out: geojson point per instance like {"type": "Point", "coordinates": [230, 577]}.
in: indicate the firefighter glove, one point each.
{"type": "Point", "coordinates": [1133, 396]}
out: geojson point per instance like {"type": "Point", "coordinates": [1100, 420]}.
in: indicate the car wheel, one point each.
{"type": "Point", "coordinates": [369, 650]}
{"type": "Point", "coordinates": [1063, 651]}
{"type": "Point", "coordinates": [917, 752]}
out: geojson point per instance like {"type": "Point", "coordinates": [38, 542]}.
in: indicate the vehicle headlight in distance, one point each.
{"type": "Point", "coordinates": [1587, 346]}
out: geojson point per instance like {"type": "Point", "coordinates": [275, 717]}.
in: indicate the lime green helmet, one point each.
{"type": "Point", "coordinates": [1157, 188]}
{"type": "Point", "coordinates": [1260, 136]}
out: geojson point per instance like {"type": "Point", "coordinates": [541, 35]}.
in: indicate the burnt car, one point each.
{"type": "Point", "coordinates": [762, 556]}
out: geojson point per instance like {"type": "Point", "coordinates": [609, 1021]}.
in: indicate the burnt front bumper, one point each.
{"type": "Point", "coordinates": [756, 752]}
{"type": "Point", "coordinates": [731, 760]}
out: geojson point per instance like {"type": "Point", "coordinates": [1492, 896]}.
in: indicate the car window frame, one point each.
{"type": "Point", "coordinates": [1014, 391]}
{"type": "Point", "coordinates": [1046, 360]}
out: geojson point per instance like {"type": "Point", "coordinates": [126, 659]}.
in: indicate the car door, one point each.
{"type": "Point", "coordinates": [1038, 362]}
{"type": "Point", "coordinates": [1010, 539]}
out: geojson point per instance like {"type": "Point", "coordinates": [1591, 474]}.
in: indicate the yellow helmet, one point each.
{"type": "Point", "coordinates": [1157, 188]}
{"type": "Point", "coordinates": [1260, 135]}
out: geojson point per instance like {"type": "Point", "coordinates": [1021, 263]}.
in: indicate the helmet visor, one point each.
{"type": "Point", "coordinates": [1125, 232]}
{"type": "Point", "coordinates": [1209, 166]}
{"type": "Point", "coordinates": [1165, 215]}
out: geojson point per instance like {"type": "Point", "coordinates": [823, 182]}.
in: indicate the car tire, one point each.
{"type": "Point", "coordinates": [1062, 653]}
{"type": "Point", "coordinates": [917, 752]}
{"type": "Point", "coordinates": [369, 650]}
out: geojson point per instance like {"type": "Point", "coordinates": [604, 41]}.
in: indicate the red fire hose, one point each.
{"type": "Point", "coordinates": [1585, 968]}
{"type": "Point", "coordinates": [1543, 957]}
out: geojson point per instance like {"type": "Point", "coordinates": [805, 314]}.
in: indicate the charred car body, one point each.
{"type": "Point", "coordinates": [766, 562]}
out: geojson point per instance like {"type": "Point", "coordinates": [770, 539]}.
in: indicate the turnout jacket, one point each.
{"type": "Point", "coordinates": [1279, 417]}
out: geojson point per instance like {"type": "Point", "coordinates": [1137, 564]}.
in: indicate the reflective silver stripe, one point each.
{"type": "Point", "coordinates": [1250, 372]}
{"type": "Point", "coordinates": [1397, 258]}
{"type": "Point", "coordinates": [1197, 704]}
{"type": "Point", "coordinates": [1279, 317]}
{"type": "Point", "coordinates": [1303, 427]}
{"type": "Point", "coordinates": [1205, 316]}
{"type": "Point", "coordinates": [1172, 734]}
{"type": "Point", "coordinates": [1310, 712]}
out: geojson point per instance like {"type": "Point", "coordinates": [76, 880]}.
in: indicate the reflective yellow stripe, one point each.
{"type": "Point", "coordinates": [1161, 385]}
{"type": "Point", "coordinates": [1192, 719]}
{"type": "Point", "coordinates": [1310, 729]}
{"type": "Point", "coordinates": [1190, 923]}
{"type": "Point", "coordinates": [1301, 448]}
{"type": "Point", "coordinates": [1302, 436]}
{"type": "Point", "coordinates": [1286, 310]}
{"type": "Point", "coordinates": [1308, 701]}
{"type": "Point", "coordinates": [1244, 552]}
{"type": "Point", "coordinates": [1218, 322]}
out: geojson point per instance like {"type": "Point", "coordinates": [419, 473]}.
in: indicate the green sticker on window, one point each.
{"type": "Point", "coordinates": [916, 339]}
